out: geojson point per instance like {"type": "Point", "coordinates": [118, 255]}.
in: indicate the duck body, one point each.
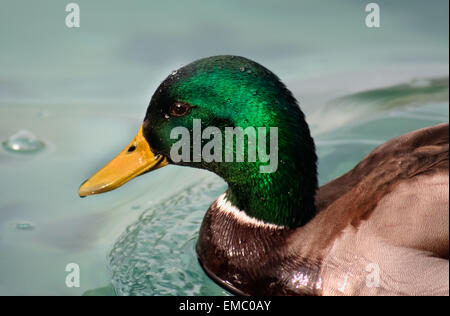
{"type": "Point", "coordinates": [382, 228]}
{"type": "Point", "coordinates": [388, 215]}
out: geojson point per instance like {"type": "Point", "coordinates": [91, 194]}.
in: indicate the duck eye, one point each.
{"type": "Point", "coordinates": [179, 109]}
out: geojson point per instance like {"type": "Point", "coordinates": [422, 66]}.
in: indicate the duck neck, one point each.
{"type": "Point", "coordinates": [240, 252]}
{"type": "Point", "coordinates": [284, 197]}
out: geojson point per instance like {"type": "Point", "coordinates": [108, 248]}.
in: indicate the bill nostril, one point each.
{"type": "Point", "coordinates": [132, 148]}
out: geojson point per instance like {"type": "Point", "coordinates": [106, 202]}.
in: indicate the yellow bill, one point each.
{"type": "Point", "coordinates": [134, 160]}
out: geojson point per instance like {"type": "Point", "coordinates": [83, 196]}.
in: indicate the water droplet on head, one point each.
{"type": "Point", "coordinates": [174, 72]}
{"type": "Point", "coordinates": [23, 142]}
{"type": "Point", "coordinates": [166, 116]}
{"type": "Point", "coordinates": [249, 71]}
{"type": "Point", "coordinates": [242, 69]}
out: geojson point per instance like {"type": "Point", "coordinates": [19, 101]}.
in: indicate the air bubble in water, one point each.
{"type": "Point", "coordinates": [43, 114]}
{"type": "Point", "coordinates": [23, 142]}
{"type": "Point", "coordinates": [24, 226]}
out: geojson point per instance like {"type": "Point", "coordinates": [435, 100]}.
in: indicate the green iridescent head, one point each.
{"type": "Point", "coordinates": [231, 91]}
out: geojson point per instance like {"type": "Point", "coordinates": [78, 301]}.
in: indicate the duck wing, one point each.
{"type": "Point", "coordinates": [392, 212]}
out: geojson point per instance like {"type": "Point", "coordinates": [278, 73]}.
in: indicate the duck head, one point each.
{"type": "Point", "coordinates": [204, 101]}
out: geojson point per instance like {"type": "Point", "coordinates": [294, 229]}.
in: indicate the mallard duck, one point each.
{"type": "Point", "coordinates": [380, 229]}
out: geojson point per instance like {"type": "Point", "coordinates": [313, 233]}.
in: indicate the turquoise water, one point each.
{"type": "Point", "coordinates": [82, 94]}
